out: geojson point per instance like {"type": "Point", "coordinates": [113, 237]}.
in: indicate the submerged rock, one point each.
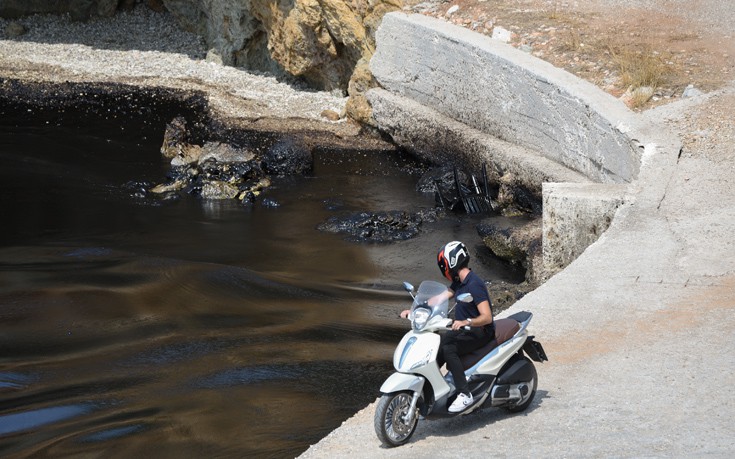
{"type": "Point", "coordinates": [225, 153]}
{"type": "Point", "coordinates": [219, 190]}
{"type": "Point", "coordinates": [387, 226]}
{"type": "Point", "coordinates": [288, 157]}
{"type": "Point", "coordinates": [175, 138]}
{"type": "Point", "coordinates": [186, 154]}
{"type": "Point", "coordinates": [169, 187]}
{"type": "Point", "coordinates": [219, 170]}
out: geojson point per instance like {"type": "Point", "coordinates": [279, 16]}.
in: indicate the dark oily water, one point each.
{"type": "Point", "coordinates": [191, 328]}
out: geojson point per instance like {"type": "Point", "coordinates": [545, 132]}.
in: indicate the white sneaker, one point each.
{"type": "Point", "coordinates": [460, 403]}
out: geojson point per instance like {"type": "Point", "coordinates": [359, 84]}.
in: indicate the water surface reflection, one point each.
{"type": "Point", "coordinates": [187, 328]}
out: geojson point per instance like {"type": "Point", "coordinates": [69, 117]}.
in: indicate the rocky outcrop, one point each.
{"type": "Point", "coordinates": [219, 170]}
{"type": "Point", "coordinates": [320, 41]}
{"type": "Point", "coordinates": [517, 242]}
{"type": "Point", "coordinates": [383, 227]}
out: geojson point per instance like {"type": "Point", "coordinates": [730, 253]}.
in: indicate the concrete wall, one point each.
{"type": "Point", "coordinates": [498, 90]}
{"type": "Point", "coordinates": [450, 94]}
{"type": "Point", "coordinates": [441, 139]}
{"type": "Point", "coordinates": [574, 216]}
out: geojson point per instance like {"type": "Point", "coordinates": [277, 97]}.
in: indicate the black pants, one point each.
{"type": "Point", "coordinates": [460, 342]}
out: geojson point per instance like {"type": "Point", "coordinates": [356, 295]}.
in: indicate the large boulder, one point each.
{"type": "Point", "coordinates": [288, 156]}
{"type": "Point", "coordinates": [228, 26]}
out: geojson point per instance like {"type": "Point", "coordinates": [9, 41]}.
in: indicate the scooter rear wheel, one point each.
{"type": "Point", "coordinates": [391, 415]}
{"type": "Point", "coordinates": [527, 398]}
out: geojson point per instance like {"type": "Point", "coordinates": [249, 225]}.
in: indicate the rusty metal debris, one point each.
{"type": "Point", "coordinates": [473, 197]}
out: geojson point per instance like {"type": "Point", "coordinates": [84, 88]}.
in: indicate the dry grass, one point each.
{"type": "Point", "coordinates": [683, 37]}
{"type": "Point", "coordinates": [570, 41]}
{"type": "Point", "coordinates": [639, 67]}
{"type": "Point", "coordinates": [553, 13]}
{"type": "Point", "coordinates": [618, 49]}
{"type": "Point", "coordinates": [640, 97]}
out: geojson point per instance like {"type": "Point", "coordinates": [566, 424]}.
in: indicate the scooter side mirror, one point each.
{"type": "Point", "coordinates": [408, 287]}
{"type": "Point", "coordinates": [465, 297]}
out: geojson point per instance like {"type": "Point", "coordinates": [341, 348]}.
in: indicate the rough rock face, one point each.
{"type": "Point", "coordinates": [517, 242]}
{"type": "Point", "coordinates": [320, 41]}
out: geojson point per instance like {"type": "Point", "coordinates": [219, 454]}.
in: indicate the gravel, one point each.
{"type": "Point", "coordinates": [717, 14]}
{"type": "Point", "coordinates": [143, 47]}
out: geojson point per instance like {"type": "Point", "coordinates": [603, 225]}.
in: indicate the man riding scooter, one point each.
{"type": "Point", "coordinates": [473, 326]}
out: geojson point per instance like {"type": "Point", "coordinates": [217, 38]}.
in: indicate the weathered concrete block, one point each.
{"type": "Point", "coordinates": [574, 217]}
{"type": "Point", "coordinates": [498, 90]}
{"type": "Point", "coordinates": [437, 138]}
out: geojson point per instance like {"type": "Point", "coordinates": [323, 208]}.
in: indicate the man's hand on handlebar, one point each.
{"type": "Point", "coordinates": [464, 324]}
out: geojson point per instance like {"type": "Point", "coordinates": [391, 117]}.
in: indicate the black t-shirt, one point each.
{"type": "Point", "coordinates": [476, 287]}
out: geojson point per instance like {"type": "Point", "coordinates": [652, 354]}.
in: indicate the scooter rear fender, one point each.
{"type": "Point", "coordinates": [402, 381]}
{"type": "Point", "coordinates": [494, 361]}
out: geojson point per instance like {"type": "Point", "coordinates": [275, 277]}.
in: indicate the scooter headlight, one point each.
{"type": "Point", "coordinates": [420, 317]}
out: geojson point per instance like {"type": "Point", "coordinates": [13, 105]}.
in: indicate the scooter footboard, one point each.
{"type": "Point", "coordinates": [402, 381]}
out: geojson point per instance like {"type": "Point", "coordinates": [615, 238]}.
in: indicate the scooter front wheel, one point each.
{"type": "Point", "coordinates": [392, 423]}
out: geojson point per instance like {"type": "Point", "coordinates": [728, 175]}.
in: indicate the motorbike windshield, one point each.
{"type": "Point", "coordinates": [428, 304]}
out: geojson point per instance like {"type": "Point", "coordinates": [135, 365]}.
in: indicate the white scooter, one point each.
{"type": "Point", "coordinates": [499, 374]}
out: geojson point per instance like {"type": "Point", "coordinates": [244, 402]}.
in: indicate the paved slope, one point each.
{"type": "Point", "coordinates": [638, 329]}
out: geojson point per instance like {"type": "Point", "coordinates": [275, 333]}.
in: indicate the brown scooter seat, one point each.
{"type": "Point", "coordinates": [504, 330]}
